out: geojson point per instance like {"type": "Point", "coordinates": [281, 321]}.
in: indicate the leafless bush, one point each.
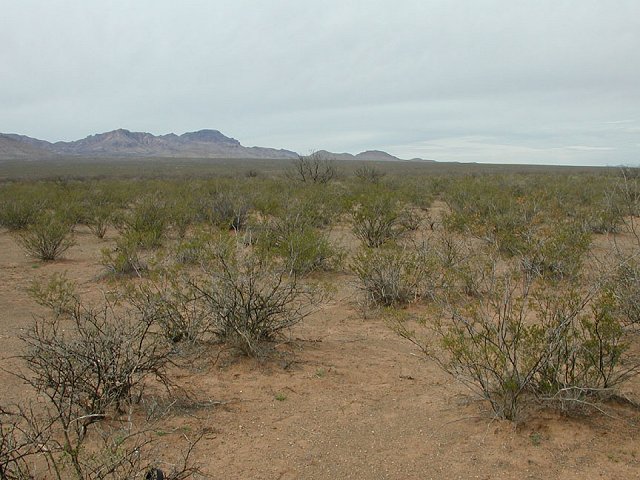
{"type": "Point", "coordinates": [370, 174]}
{"type": "Point", "coordinates": [18, 446]}
{"type": "Point", "coordinates": [35, 445]}
{"type": "Point", "coordinates": [97, 362]}
{"type": "Point", "coordinates": [313, 169]}
{"type": "Point", "coordinates": [89, 366]}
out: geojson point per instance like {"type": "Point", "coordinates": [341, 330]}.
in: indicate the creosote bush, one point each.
{"type": "Point", "coordinates": [555, 254]}
{"type": "Point", "coordinates": [624, 288]}
{"type": "Point", "coordinates": [378, 219]}
{"type": "Point", "coordinates": [394, 276]}
{"type": "Point", "coordinates": [145, 223]}
{"type": "Point", "coordinates": [295, 239]}
{"type": "Point", "coordinates": [524, 340]}
{"type": "Point", "coordinates": [97, 218]}
{"type": "Point", "coordinates": [58, 294]}
{"type": "Point", "coordinates": [464, 267]}
{"type": "Point", "coordinates": [192, 250]}
{"type": "Point", "coordinates": [47, 238]}
{"type": "Point", "coordinates": [124, 259]}
{"type": "Point", "coordinates": [229, 210]}
{"type": "Point", "coordinates": [18, 213]}
{"type": "Point", "coordinates": [253, 301]}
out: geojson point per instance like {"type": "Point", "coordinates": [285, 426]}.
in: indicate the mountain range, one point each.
{"type": "Point", "coordinates": [123, 143]}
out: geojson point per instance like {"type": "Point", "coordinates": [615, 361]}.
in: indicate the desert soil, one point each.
{"type": "Point", "coordinates": [350, 400]}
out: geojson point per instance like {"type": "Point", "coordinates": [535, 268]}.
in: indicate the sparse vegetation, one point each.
{"type": "Point", "coordinates": [524, 287]}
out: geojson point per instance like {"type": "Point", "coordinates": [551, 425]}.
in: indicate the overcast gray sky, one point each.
{"type": "Point", "coordinates": [537, 81]}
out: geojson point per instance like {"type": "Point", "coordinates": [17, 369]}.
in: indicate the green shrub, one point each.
{"type": "Point", "coordinates": [191, 251]}
{"type": "Point", "coordinates": [124, 259]}
{"type": "Point", "coordinates": [145, 223]}
{"type": "Point", "coordinates": [556, 253]}
{"type": "Point", "coordinates": [18, 214]}
{"type": "Point", "coordinates": [378, 219]}
{"type": "Point", "coordinates": [394, 276]}
{"type": "Point", "coordinates": [465, 267]}
{"type": "Point", "coordinates": [605, 217]}
{"type": "Point", "coordinates": [624, 287]}
{"type": "Point", "coordinates": [229, 210]}
{"type": "Point", "coordinates": [58, 294]}
{"type": "Point", "coordinates": [47, 238]}
{"type": "Point", "coordinates": [293, 238]}
{"type": "Point", "coordinates": [303, 251]}
{"type": "Point", "coordinates": [522, 340]}
{"type": "Point", "coordinates": [181, 214]}
{"type": "Point", "coordinates": [588, 354]}
{"type": "Point", "coordinates": [98, 218]}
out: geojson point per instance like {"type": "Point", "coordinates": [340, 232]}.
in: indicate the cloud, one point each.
{"type": "Point", "coordinates": [342, 75]}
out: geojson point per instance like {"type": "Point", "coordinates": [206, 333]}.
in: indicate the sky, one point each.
{"type": "Point", "coordinates": [495, 81]}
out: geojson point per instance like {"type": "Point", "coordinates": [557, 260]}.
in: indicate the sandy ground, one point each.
{"type": "Point", "coordinates": [351, 400]}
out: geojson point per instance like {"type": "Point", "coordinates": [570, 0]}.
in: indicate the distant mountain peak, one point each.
{"type": "Point", "coordinates": [373, 155]}
{"type": "Point", "coordinates": [376, 155]}
{"type": "Point", "coordinates": [207, 135]}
